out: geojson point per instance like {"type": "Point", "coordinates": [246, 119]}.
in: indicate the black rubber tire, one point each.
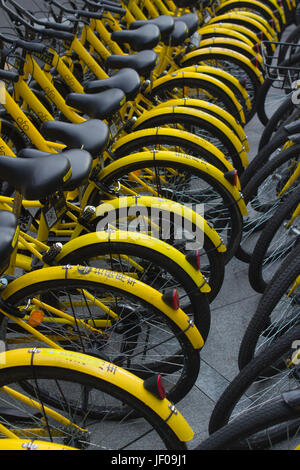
{"type": "Point", "coordinates": [255, 9]}
{"type": "Point", "coordinates": [236, 65]}
{"type": "Point", "coordinates": [285, 114]}
{"type": "Point", "coordinates": [260, 252]}
{"type": "Point", "coordinates": [263, 91]}
{"type": "Point", "coordinates": [198, 307]}
{"type": "Point", "coordinates": [254, 370]}
{"type": "Point", "coordinates": [196, 125]}
{"type": "Point", "coordinates": [263, 156]}
{"type": "Point", "coordinates": [252, 188]}
{"type": "Point", "coordinates": [167, 90]}
{"type": "Point", "coordinates": [280, 283]}
{"type": "Point", "coordinates": [182, 144]}
{"type": "Point", "coordinates": [228, 204]}
{"type": "Point", "coordinates": [187, 363]}
{"type": "Point", "coordinates": [10, 377]}
{"type": "Point", "coordinates": [240, 433]}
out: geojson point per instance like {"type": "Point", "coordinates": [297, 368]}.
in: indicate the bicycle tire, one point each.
{"type": "Point", "coordinates": [261, 186]}
{"type": "Point", "coordinates": [229, 403]}
{"type": "Point", "coordinates": [239, 433]}
{"type": "Point", "coordinates": [234, 65]}
{"type": "Point", "coordinates": [124, 338]}
{"type": "Point", "coordinates": [153, 263]}
{"type": "Point", "coordinates": [44, 377]}
{"type": "Point", "coordinates": [262, 254]}
{"type": "Point", "coordinates": [257, 7]}
{"type": "Point", "coordinates": [190, 175]}
{"type": "Point", "coordinates": [261, 324]}
{"type": "Point", "coordinates": [179, 141]}
{"type": "Point", "coordinates": [165, 91]}
{"type": "Point", "coordinates": [262, 111]}
{"type": "Point", "coordinates": [285, 114]}
{"type": "Point", "coordinates": [202, 125]}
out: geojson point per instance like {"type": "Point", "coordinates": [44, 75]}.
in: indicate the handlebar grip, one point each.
{"type": "Point", "coordinates": [7, 75]}
{"type": "Point", "coordinates": [31, 46]}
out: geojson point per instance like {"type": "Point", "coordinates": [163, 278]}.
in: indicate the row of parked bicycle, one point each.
{"type": "Point", "coordinates": [130, 193]}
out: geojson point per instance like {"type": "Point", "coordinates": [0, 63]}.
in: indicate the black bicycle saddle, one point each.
{"type": "Point", "coordinates": [145, 37]}
{"type": "Point", "coordinates": [127, 79]}
{"type": "Point", "coordinates": [97, 106]}
{"type": "Point", "coordinates": [80, 162]}
{"type": "Point", "coordinates": [92, 135]}
{"type": "Point", "coordinates": [32, 178]}
{"type": "Point", "coordinates": [142, 62]}
{"type": "Point", "coordinates": [191, 20]}
{"type": "Point", "coordinates": [165, 24]}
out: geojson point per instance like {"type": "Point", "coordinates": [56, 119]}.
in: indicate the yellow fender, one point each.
{"type": "Point", "coordinates": [186, 75]}
{"type": "Point", "coordinates": [101, 369]}
{"type": "Point", "coordinates": [222, 8]}
{"type": "Point", "coordinates": [173, 132]}
{"type": "Point", "coordinates": [214, 109]}
{"type": "Point", "coordinates": [261, 20]}
{"type": "Point", "coordinates": [167, 205]}
{"type": "Point", "coordinates": [221, 75]}
{"type": "Point", "coordinates": [125, 283]}
{"type": "Point", "coordinates": [198, 53]}
{"type": "Point", "coordinates": [224, 31]}
{"type": "Point", "coordinates": [28, 444]}
{"type": "Point", "coordinates": [227, 43]}
{"type": "Point", "coordinates": [146, 116]}
{"type": "Point", "coordinates": [270, 36]}
{"type": "Point", "coordinates": [137, 239]}
{"type": "Point", "coordinates": [180, 158]}
{"type": "Point", "coordinates": [245, 31]}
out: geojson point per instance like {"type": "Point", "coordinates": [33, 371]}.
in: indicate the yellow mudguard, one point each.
{"type": "Point", "coordinates": [112, 279]}
{"type": "Point", "coordinates": [148, 115]}
{"type": "Point", "coordinates": [123, 141]}
{"type": "Point", "coordinates": [138, 239]}
{"type": "Point", "coordinates": [102, 369]}
{"type": "Point", "coordinates": [193, 162]}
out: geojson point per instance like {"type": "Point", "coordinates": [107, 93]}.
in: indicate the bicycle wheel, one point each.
{"type": "Point", "coordinates": [197, 86]}
{"type": "Point", "coordinates": [233, 62]}
{"type": "Point", "coordinates": [151, 267]}
{"type": "Point", "coordinates": [106, 321]}
{"type": "Point", "coordinates": [263, 195]}
{"type": "Point", "coordinates": [243, 432]}
{"type": "Point", "coordinates": [273, 17]}
{"type": "Point", "coordinates": [65, 399]}
{"type": "Point", "coordinates": [285, 114]}
{"type": "Point", "coordinates": [275, 242]}
{"type": "Point", "coordinates": [263, 378]}
{"type": "Point", "coordinates": [277, 311]}
{"type": "Point", "coordinates": [174, 140]}
{"type": "Point", "coordinates": [168, 175]}
{"type": "Point", "coordinates": [196, 122]}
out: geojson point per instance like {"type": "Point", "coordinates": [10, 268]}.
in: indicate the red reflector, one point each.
{"type": "Point", "coordinates": [154, 385]}
{"type": "Point", "coordinates": [235, 177]}
{"type": "Point", "coordinates": [171, 298]}
{"type": "Point", "coordinates": [198, 259]}
{"type": "Point", "coordinates": [160, 387]}
{"type": "Point", "coordinates": [176, 301]}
